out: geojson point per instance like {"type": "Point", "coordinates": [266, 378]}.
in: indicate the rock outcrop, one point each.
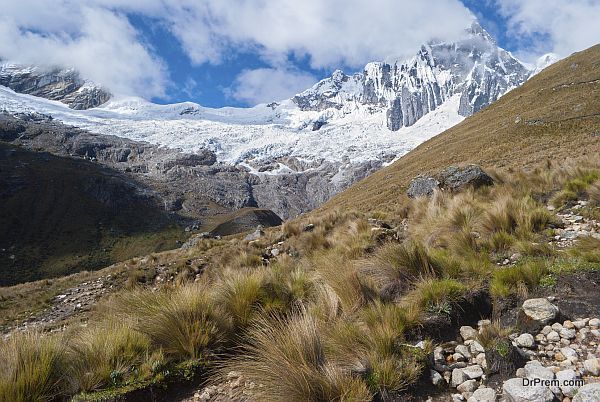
{"type": "Point", "coordinates": [63, 85]}
{"type": "Point", "coordinates": [452, 179]}
{"type": "Point", "coordinates": [473, 67]}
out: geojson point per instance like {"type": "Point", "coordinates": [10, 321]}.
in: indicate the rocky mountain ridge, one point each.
{"type": "Point", "coordinates": [54, 83]}
{"type": "Point", "coordinates": [474, 67]}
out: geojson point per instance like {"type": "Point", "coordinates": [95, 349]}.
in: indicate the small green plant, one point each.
{"type": "Point", "coordinates": [548, 281]}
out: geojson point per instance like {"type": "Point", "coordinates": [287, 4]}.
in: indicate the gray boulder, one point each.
{"type": "Point", "coordinates": [587, 393]}
{"type": "Point", "coordinates": [456, 178]}
{"type": "Point", "coordinates": [536, 313]}
{"type": "Point", "coordinates": [422, 186]}
{"type": "Point", "coordinates": [515, 390]}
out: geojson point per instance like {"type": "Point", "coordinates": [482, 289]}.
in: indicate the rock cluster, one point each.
{"type": "Point", "coordinates": [574, 226]}
{"type": "Point", "coordinates": [563, 361]}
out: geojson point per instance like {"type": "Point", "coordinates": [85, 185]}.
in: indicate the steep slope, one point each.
{"type": "Point", "coordinates": [555, 115]}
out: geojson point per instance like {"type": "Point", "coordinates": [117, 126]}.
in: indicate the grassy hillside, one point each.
{"type": "Point", "coordinates": [554, 116]}
{"type": "Point", "coordinates": [64, 215]}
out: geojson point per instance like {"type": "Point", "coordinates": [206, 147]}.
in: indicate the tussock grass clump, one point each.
{"type": "Point", "coordinates": [339, 274]}
{"type": "Point", "coordinates": [521, 278]}
{"type": "Point", "coordinates": [105, 355]}
{"type": "Point", "coordinates": [32, 368]}
{"type": "Point", "coordinates": [587, 249]}
{"type": "Point", "coordinates": [184, 323]}
{"type": "Point", "coordinates": [437, 295]}
{"type": "Point", "coordinates": [402, 263]}
{"type": "Point", "coordinates": [594, 194]}
{"type": "Point", "coordinates": [287, 357]}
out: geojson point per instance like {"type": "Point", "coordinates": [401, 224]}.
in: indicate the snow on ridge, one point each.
{"type": "Point", "coordinates": [352, 138]}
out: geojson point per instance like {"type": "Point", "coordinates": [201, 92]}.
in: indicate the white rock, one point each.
{"type": "Point", "coordinates": [467, 332]}
{"type": "Point", "coordinates": [483, 395]}
{"type": "Point", "coordinates": [473, 372]}
{"type": "Point", "coordinates": [515, 390]}
{"type": "Point", "coordinates": [594, 322]}
{"type": "Point", "coordinates": [476, 348]}
{"type": "Point", "coordinates": [540, 310]}
{"type": "Point", "coordinates": [467, 386]}
{"type": "Point", "coordinates": [565, 382]}
{"type": "Point", "coordinates": [481, 360]}
{"type": "Point", "coordinates": [553, 336]}
{"type": "Point", "coordinates": [463, 350]}
{"type": "Point", "coordinates": [534, 369]}
{"type": "Point", "coordinates": [587, 393]}
{"type": "Point", "coordinates": [458, 377]}
{"type": "Point", "coordinates": [569, 353]}
{"type": "Point", "coordinates": [556, 326]}
{"type": "Point", "coordinates": [579, 324]}
{"type": "Point", "coordinates": [436, 378]}
{"type": "Point", "coordinates": [568, 333]}
{"type": "Point", "coordinates": [525, 340]}
{"type": "Point", "coordinates": [568, 324]}
{"type": "Point", "coordinates": [592, 366]}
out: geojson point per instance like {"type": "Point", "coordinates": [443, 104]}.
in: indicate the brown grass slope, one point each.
{"type": "Point", "coordinates": [555, 115]}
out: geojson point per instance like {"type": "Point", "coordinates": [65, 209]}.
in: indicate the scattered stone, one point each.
{"type": "Point", "coordinates": [483, 395]}
{"type": "Point", "coordinates": [525, 340]}
{"type": "Point", "coordinates": [567, 333]}
{"type": "Point", "coordinates": [476, 348]}
{"type": "Point", "coordinates": [534, 369]}
{"type": "Point", "coordinates": [587, 393]}
{"type": "Point", "coordinates": [422, 186]}
{"type": "Point", "coordinates": [592, 366]}
{"type": "Point", "coordinates": [456, 178]}
{"type": "Point", "coordinates": [468, 333]}
{"type": "Point", "coordinates": [436, 378]}
{"type": "Point", "coordinates": [594, 322]}
{"type": "Point", "coordinates": [257, 234]}
{"type": "Point", "coordinates": [473, 372]}
{"type": "Point", "coordinates": [458, 377]}
{"type": "Point", "coordinates": [463, 350]}
{"type": "Point", "coordinates": [515, 391]}
{"type": "Point", "coordinates": [568, 353]}
{"type": "Point", "coordinates": [540, 311]}
{"type": "Point", "coordinates": [566, 380]}
{"type": "Point", "coordinates": [553, 336]}
{"type": "Point", "coordinates": [467, 386]}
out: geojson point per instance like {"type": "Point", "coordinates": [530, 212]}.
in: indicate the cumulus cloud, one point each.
{"type": "Point", "coordinates": [101, 44]}
{"type": "Point", "coordinates": [268, 84]}
{"type": "Point", "coordinates": [96, 37]}
{"type": "Point", "coordinates": [559, 26]}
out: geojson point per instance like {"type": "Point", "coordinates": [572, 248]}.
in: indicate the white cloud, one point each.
{"type": "Point", "coordinates": [269, 84]}
{"type": "Point", "coordinates": [559, 26]}
{"type": "Point", "coordinates": [96, 37]}
{"type": "Point", "coordinates": [102, 45]}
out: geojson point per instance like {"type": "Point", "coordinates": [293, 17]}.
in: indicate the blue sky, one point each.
{"type": "Point", "coordinates": [243, 52]}
{"type": "Point", "coordinates": [208, 84]}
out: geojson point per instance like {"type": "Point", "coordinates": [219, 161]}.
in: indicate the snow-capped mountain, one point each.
{"type": "Point", "coordinates": [316, 143]}
{"type": "Point", "coordinates": [474, 68]}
